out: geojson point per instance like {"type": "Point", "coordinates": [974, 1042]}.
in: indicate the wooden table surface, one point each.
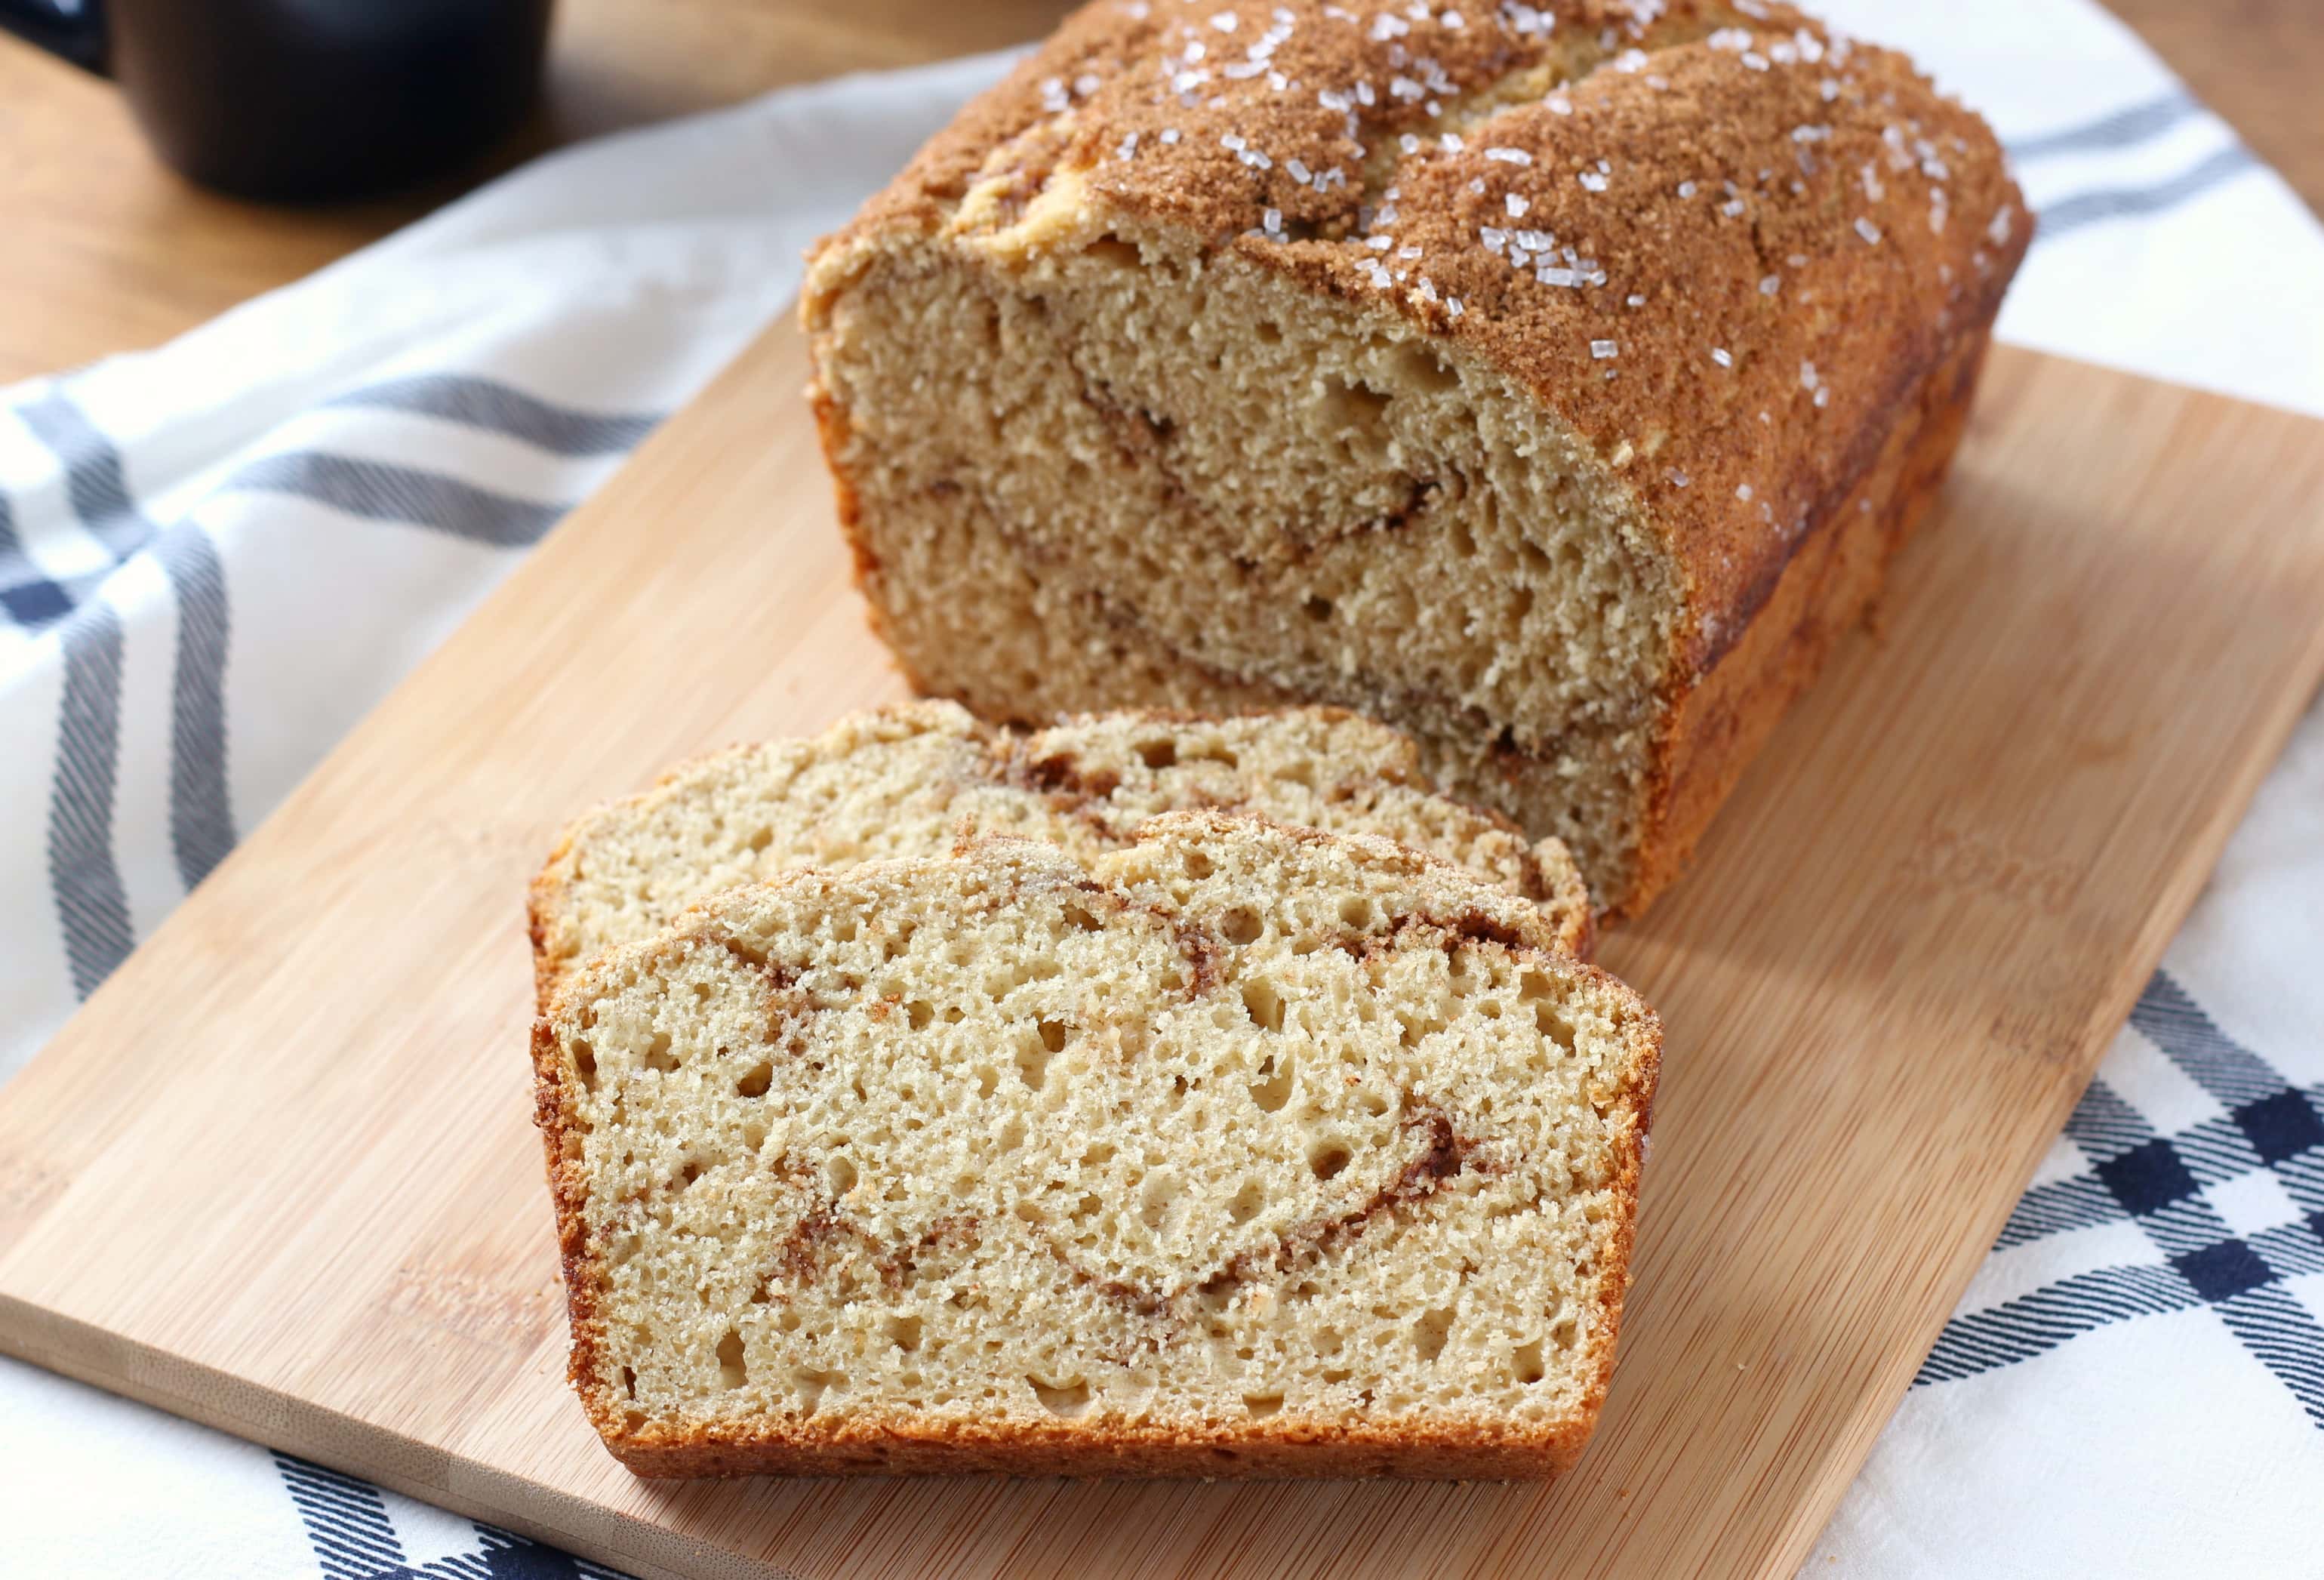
{"type": "Point", "coordinates": [105, 250]}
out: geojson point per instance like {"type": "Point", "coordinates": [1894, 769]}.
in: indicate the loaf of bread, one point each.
{"type": "Point", "coordinates": [914, 780]}
{"type": "Point", "coordinates": [1246, 1151]}
{"type": "Point", "coordinates": [1552, 383]}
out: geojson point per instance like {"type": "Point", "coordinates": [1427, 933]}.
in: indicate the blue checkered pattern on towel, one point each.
{"type": "Point", "coordinates": [354, 1538]}
{"type": "Point", "coordinates": [2267, 1126]}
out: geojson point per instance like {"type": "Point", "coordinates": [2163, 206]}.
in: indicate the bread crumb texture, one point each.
{"type": "Point", "coordinates": [1243, 1150]}
{"type": "Point", "coordinates": [1482, 368]}
{"type": "Point", "coordinates": [914, 780]}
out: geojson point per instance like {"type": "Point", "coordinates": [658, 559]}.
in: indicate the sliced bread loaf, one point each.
{"type": "Point", "coordinates": [1246, 1151]}
{"type": "Point", "coordinates": [1552, 382]}
{"type": "Point", "coordinates": [911, 781]}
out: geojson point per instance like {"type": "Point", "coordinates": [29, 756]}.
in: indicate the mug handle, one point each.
{"type": "Point", "coordinates": [74, 29]}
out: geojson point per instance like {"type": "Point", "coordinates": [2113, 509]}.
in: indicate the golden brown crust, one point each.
{"type": "Point", "coordinates": [1719, 726]}
{"type": "Point", "coordinates": [554, 1112]}
{"type": "Point", "coordinates": [1278, 1447]}
{"type": "Point", "coordinates": [1067, 1450]}
{"type": "Point", "coordinates": [1750, 246]}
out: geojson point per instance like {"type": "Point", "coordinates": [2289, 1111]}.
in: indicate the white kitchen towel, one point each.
{"type": "Point", "coordinates": [215, 557]}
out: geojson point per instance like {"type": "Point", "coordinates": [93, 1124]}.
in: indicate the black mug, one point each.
{"type": "Point", "coordinates": [305, 100]}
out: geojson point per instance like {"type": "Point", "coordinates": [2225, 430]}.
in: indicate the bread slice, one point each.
{"type": "Point", "coordinates": [1550, 382]}
{"type": "Point", "coordinates": [912, 779]}
{"type": "Point", "coordinates": [1247, 1151]}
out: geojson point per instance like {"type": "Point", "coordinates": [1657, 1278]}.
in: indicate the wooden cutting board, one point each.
{"type": "Point", "coordinates": [280, 1174]}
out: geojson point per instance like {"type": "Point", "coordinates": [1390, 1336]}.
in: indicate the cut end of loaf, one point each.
{"type": "Point", "coordinates": [1249, 1151]}
{"type": "Point", "coordinates": [1376, 521]}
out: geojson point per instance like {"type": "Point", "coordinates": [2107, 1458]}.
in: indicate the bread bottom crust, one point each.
{"type": "Point", "coordinates": [1089, 1456]}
